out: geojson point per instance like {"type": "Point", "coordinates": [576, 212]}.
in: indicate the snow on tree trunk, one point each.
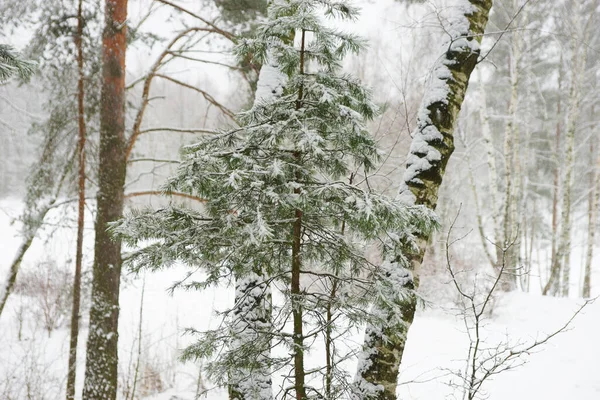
{"type": "Point", "coordinates": [431, 148]}
{"type": "Point", "coordinates": [252, 294]}
{"type": "Point", "coordinates": [252, 316]}
{"type": "Point", "coordinates": [101, 361]}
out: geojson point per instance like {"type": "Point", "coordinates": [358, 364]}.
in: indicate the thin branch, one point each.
{"type": "Point", "coordinates": [206, 95]}
{"type": "Point", "coordinates": [228, 35]}
{"type": "Point", "coordinates": [179, 130]}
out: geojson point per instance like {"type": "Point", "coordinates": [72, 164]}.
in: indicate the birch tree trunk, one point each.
{"type": "Point", "coordinates": [559, 281]}
{"type": "Point", "coordinates": [431, 148]}
{"type": "Point", "coordinates": [556, 183]}
{"type": "Point", "coordinates": [511, 170]}
{"type": "Point", "coordinates": [593, 206]}
{"type": "Point", "coordinates": [492, 173]}
{"type": "Point", "coordinates": [101, 362]}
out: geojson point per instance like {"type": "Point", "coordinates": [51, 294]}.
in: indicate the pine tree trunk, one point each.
{"type": "Point", "coordinates": [295, 292]}
{"type": "Point", "coordinates": [432, 147]}
{"type": "Point", "coordinates": [101, 361]}
{"type": "Point", "coordinates": [72, 366]}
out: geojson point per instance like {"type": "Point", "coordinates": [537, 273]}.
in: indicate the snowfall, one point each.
{"type": "Point", "coordinates": [33, 362]}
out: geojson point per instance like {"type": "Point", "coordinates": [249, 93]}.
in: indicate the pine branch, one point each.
{"type": "Point", "coordinates": [11, 64]}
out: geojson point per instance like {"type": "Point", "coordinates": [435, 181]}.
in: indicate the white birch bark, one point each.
{"type": "Point", "coordinates": [594, 205]}
{"type": "Point", "coordinates": [578, 61]}
{"type": "Point", "coordinates": [492, 173]}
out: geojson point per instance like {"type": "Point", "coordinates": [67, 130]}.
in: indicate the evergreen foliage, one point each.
{"type": "Point", "coordinates": [241, 11]}
{"type": "Point", "coordinates": [281, 205]}
{"type": "Point", "coordinates": [11, 64]}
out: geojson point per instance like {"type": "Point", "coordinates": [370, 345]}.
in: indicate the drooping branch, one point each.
{"type": "Point", "coordinates": [32, 222]}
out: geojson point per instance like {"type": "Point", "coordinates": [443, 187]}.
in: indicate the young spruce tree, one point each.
{"type": "Point", "coordinates": [282, 213]}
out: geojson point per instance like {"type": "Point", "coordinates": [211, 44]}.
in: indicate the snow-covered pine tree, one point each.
{"type": "Point", "coordinates": [280, 214]}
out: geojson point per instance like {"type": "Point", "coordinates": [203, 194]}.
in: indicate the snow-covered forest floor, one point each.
{"type": "Point", "coordinates": [33, 364]}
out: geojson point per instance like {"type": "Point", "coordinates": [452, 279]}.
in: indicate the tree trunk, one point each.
{"type": "Point", "coordinates": [593, 205]}
{"type": "Point", "coordinates": [563, 258]}
{"type": "Point", "coordinates": [101, 362]}
{"type": "Point", "coordinates": [492, 173]}
{"type": "Point", "coordinates": [72, 366]}
{"type": "Point", "coordinates": [555, 192]}
{"type": "Point", "coordinates": [295, 292]}
{"type": "Point", "coordinates": [432, 146]}
{"type": "Point", "coordinates": [511, 172]}
{"type": "Point", "coordinates": [257, 382]}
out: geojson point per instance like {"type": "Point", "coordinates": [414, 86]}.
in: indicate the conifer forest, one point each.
{"type": "Point", "coordinates": [299, 199]}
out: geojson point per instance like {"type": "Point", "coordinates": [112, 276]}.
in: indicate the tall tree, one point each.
{"type": "Point", "coordinates": [276, 193]}
{"type": "Point", "coordinates": [52, 46]}
{"type": "Point", "coordinates": [72, 365]}
{"type": "Point", "coordinates": [579, 28]}
{"type": "Point", "coordinates": [102, 356]}
{"type": "Point", "coordinates": [253, 293]}
{"type": "Point", "coordinates": [431, 148]}
{"type": "Point", "coordinates": [593, 208]}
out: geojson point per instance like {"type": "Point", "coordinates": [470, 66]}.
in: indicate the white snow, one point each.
{"type": "Point", "coordinates": [270, 82]}
{"type": "Point", "coordinates": [566, 368]}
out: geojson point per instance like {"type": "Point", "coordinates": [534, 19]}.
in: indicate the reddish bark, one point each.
{"type": "Point", "coordinates": [101, 362]}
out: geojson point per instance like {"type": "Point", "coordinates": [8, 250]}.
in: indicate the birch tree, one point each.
{"type": "Point", "coordinates": [559, 280]}
{"type": "Point", "coordinates": [431, 148]}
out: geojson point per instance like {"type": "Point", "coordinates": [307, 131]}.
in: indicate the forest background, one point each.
{"type": "Point", "coordinates": [525, 171]}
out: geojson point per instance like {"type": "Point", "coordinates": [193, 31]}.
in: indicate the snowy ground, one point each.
{"type": "Point", "coordinates": [34, 366]}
